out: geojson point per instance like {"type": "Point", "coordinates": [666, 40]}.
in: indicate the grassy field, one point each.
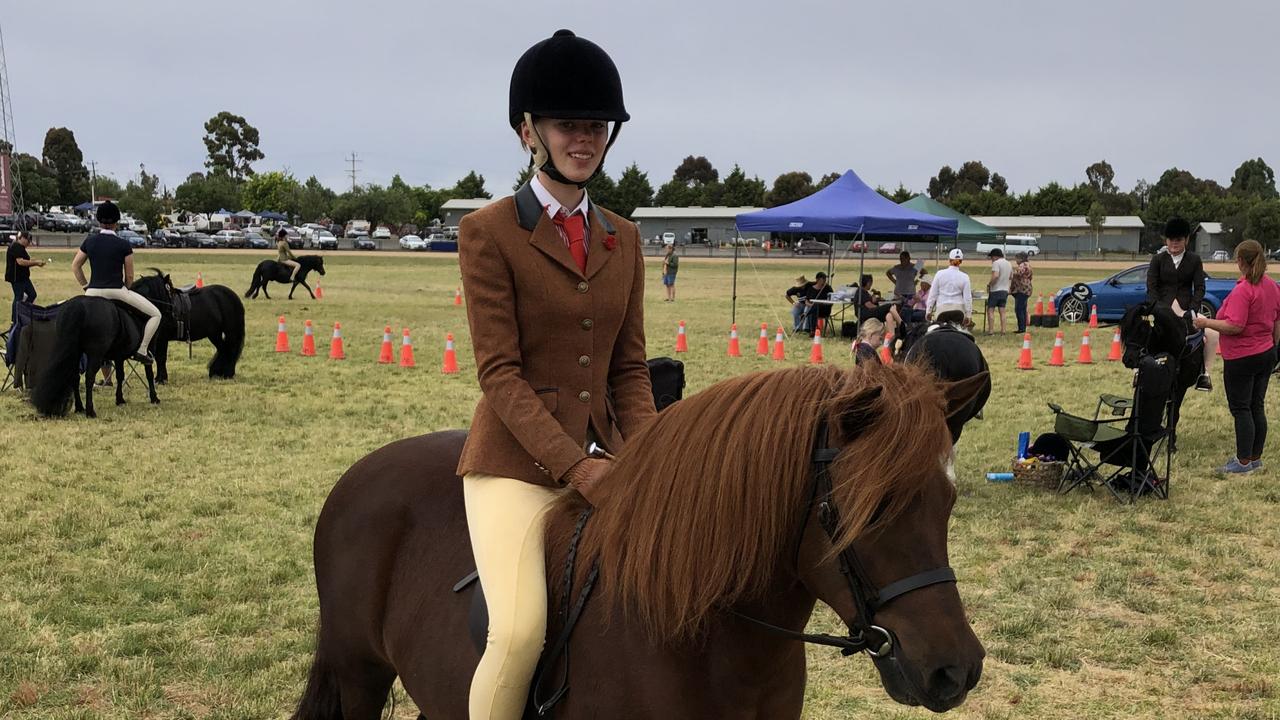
{"type": "Point", "coordinates": [156, 562]}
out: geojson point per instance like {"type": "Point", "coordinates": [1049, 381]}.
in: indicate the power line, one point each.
{"type": "Point", "coordinates": [353, 171]}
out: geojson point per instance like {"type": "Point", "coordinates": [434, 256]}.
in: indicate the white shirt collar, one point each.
{"type": "Point", "coordinates": [552, 205]}
{"type": "Point", "coordinates": [104, 231]}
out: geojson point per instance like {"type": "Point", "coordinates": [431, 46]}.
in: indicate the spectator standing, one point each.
{"type": "Point", "coordinates": [1020, 287]}
{"type": "Point", "coordinates": [903, 277]}
{"type": "Point", "coordinates": [670, 266]}
{"type": "Point", "coordinates": [998, 287]}
{"type": "Point", "coordinates": [951, 296]}
{"type": "Point", "coordinates": [1176, 278]}
{"type": "Point", "coordinates": [17, 271]}
{"type": "Point", "coordinates": [795, 296]}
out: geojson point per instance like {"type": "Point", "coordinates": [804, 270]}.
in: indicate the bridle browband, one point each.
{"type": "Point", "coordinates": [864, 635]}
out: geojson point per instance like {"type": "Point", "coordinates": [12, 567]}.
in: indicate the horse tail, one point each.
{"type": "Point", "coordinates": [257, 273]}
{"type": "Point", "coordinates": [52, 394]}
{"type": "Point", "coordinates": [224, 361]}
{"type": "Point", "coordinates": [321, 700]}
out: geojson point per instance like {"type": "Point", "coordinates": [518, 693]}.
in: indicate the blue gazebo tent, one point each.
{"type": "Point", "coordinates": [271, 215]}
{"type": "Point", "coordinates": [847, 205]}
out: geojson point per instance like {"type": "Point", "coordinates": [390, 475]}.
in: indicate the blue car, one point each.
{"type": "Point", "coordinates": [1121, 291]}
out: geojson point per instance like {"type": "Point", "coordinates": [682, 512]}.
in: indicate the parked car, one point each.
{"type": "Point", "coordinates": [888, 249]}
{"type": "Point", "coordinates": [1221, 256]}
{"type": "Point", "coordinates": [135, 225]}
{"type": "Point", "coordinates": [1121, 291]}
{"type": "Point", "coordinates": [438, 242]}
{"type": "Point", "coordinates": [858, 246]}
{"type": "Point", "coordinates": [158, 236]}
{"type": "Point", "coordinates": [293, 237]}
{"type": "Point", "coordinates": [382, 232]}
{"type": "Point", "coordinates": [322, 240]}
{"type": "Point", "coordinates": [1012, 245]}
{"type": "Point", "coordinates": [356, 228]}
{"type": "Point", "coordinates": [364, 243]}
{"type": "Point", "coordinates": [229, 238]}
{"type": "Point", "coordinates": [309, 229]}
{"type": "Point", "coordinates": [412, 242]}
{"type": "Point", "coordinates": [668, 238]}
{"type": "Point", "coordinates": [135, 240]}
{"type": "Point", "coordinates": [805, 246]}
{"type": "Point", "coordinates": [336, 229]}
{"type": "Point", "coordinates": [256, 240]}
{"type": "Point", "coordinates": [199, 240]}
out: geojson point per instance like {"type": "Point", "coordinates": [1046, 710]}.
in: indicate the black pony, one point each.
{"type": "Point", "coordinates": [101, 331]}
{"type": "Point", "coordinates": [213, 312]}
{"type": "Point", "coordinates": [272, 271]}
{"type": "Point", "coordinates": [1150, 329]}
{"type": "Point", "coordinates": [953, 355]}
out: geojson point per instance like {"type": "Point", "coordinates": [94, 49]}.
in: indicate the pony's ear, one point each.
{"type": "Point", "coordinates": [860, 412]}
{"type": "Point", "coordinates": [961, 393]}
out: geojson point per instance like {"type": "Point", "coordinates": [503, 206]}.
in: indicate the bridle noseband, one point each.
{"type": "Point", "coordinates": [864, 635]}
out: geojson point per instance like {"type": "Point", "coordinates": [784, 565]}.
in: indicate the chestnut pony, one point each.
{"type": "Point", "coordinates": [726, 520]}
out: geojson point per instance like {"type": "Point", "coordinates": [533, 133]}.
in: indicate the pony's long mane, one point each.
{"type": "Point", "coordinates": [704, 504]}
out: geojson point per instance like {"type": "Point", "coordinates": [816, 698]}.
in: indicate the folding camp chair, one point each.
{"type": "Point", "coordinates": [8, 366]}
{"type": "Point", "coordinates": [1133, 451]}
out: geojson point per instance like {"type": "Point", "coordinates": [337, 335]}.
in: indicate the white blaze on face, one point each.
{"type": "Point", "coordinates": [949, 465]}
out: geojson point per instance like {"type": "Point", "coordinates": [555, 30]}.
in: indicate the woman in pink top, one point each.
{"type": "Point", "coordinates": [1249, 322]}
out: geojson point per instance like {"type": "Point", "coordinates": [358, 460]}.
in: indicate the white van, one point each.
{"type": "Point", "coordinates": [668, 238]}
{"type": "Point", "coordinates": [1012, 245]}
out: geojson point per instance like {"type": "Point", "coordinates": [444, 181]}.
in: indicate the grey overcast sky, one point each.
{"type": "Point", "coordinates": [894, 90]}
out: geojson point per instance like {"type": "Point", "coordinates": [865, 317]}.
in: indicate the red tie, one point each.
{"type": "Point", "coordinates": [572, 228]}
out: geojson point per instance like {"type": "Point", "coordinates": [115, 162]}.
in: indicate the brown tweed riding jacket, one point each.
{"type": "Point", "coordinates": [557, 350]}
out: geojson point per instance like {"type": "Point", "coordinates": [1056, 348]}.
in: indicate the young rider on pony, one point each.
{"type": "Point", "coordinates": [110, 258]}
{"type": "Point", "coordinates": [556, 290]}
{"type": "Point", "coordinates": [284, 255]}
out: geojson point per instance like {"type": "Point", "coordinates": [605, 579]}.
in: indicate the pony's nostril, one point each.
{"type": "Point", "coordinates": [948, 682]}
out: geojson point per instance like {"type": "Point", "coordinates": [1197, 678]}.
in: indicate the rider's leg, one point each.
{"type": "Point", "coordinates": [505, 520]}
{"type": "Point", "coordinates": [296, 267]}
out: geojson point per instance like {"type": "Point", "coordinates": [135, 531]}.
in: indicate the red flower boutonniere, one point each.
{"type": "Point", "coordinates": [610, 242]}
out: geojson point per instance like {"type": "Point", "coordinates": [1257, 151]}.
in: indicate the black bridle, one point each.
{"type": "Point", "coordinates": [864, 634]}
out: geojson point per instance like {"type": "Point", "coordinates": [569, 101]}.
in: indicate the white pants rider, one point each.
{"type": "Point", "coordinates": [137, 302]}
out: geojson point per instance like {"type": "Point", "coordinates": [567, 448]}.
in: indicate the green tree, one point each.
{"type": "Point", "coordinates": [1263, 223]}
{"type": "Point", "coordinates": [141, 198]}
{"type": "Point", "coordinates": [37, 183]}
{"type": "Point", "coordinates": [1101, 178]}
{"type": "Point", "coordinates": [826, 180]}
{"type": "Point", "coordinates": [676, 193]}
{"type": "Point", "coordinates": [789, 187]}
{"type": "Point", "coordinates": [62, 155]}
{"type": "Point", "coordinates": [315, 201]}
{"type": "Point", "coordinates": [1254, 178]}
{"type": "Point", "coordinates": [603, 190]}
{"type": "Point", "coordinates": [232, 145]}
{"type": "Point", "coordinates": [971, 179]}
{"type": "Point", "coordinates": [525, 174]}
{"type": "Point", "coordinates": [695, 171]}
{"type": "Point", "coordinates": [471, 186]}
{"type": "Point", "coordinates": [203, 193]}
{"type": "Point", "coordinates": [107, 187]}
{"type": "Point", "coordinates": [634, 191]}
{"type": "Point", "coordinates": [1096, 216]}
{"type": "Point", "coordinates": [271, 191]}
{"type": "Point", "coordinates": [999, 185]}
{"type": "Point", "coordinates": [739, 191]}
{"type": "Point", "coordinates": [940, 185]}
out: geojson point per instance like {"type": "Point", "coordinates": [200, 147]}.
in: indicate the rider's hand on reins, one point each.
{"type": "Point", "coordinates": [585, 476]}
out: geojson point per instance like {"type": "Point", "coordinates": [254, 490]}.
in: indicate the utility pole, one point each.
{"type": "Point", "coordinates": [352, 172]}
{"type": "Point", "coordinates": [93, 182]}
{"type": "Point", "coordinates": [9, 135]}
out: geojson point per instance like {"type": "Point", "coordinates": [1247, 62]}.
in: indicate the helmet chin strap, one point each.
{"type": "Point", "coordinates": [541, 159]}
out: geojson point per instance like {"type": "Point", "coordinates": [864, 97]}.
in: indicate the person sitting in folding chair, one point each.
{"type": "Point", "coordinates": [110, 259]}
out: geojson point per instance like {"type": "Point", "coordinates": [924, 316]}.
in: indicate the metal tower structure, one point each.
{"type": "Point", "coordinates": [10, 134]}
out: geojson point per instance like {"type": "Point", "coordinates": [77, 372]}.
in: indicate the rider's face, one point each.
{"type": "Point", "coordinates": [575, 146]}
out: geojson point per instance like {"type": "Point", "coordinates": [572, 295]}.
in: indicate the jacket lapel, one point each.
{"type": "Point", "coordinates": [597, 254]}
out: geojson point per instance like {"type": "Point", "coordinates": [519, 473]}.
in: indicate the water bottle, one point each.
{"type": "Point", "coordinates": [1024, 442]}
{"type": "Point", "coordinates": [1000, 477]}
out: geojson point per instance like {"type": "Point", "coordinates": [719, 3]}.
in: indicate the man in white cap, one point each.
{"type": "Point", "coordinates": [951, 296]}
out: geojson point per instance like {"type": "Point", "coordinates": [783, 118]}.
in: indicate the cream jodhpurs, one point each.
{"type": "Point", "coordinates": [137, 302]}
{"type": "Point", "coordinates": [505, 519]}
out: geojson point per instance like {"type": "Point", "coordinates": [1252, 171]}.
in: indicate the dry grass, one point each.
{"type": "Point", "coordinates": [156, 562]}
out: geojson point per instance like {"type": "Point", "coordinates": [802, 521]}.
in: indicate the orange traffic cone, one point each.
{"type": "Point", "coordinates": [886, 351]}
{"type": "Point", "coordinates": [282, 337]}
{"type": "Point", "coordinates": [457, 296]}
{"type": "Point", "coordinates": [1086, 352]}
{"type": "Point", "coordinates": [1024, 360]}
{"type": "Point", "coordinates": [682, 340]}
{"type": "Point", "coordinates": [406, 350]}
{"type": "Point", "coordinates": [1038, 313]}
{"type": "Point", "coordinates": [815, 351]}
{"type": "Point", "coordinates": [199, 280]}
{"type": "Point", "coordinates": [319, 291]}
{"type": "Point", "coordinates": [1055, 359]}
{"type": "Point", "coordinates": [734, 349]}
{"type": "Point", "coordinates": [308, 340]}
{"type": "Point", "coordinates": [336, 351]}
{"type": "Point", "coordinates": [1117, 350]}
{"type": "Point", "coordinates": [1049, 310]}
{"type": "Point", "coordinates": [779, 352]}
{"type": "Point", "coordinates": [384, 356]}
{"type": "Point", "coordinates": [1093, 317]}
{"type": "Point", "coordinates": [450, 356]}
{"type": "Point", "coordinates": [762, 347]}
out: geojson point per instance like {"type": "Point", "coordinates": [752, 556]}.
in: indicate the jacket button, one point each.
{"type": "Point", "coordinates": [584, 396]}
{"type": "Point", "coordinates": [586, 323]}
{"type": "Point", "coordinates": [585, 360]}
{"type": "Point", "coordinates": [582, 286]}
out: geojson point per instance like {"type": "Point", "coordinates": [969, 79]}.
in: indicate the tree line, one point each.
{"type": "Point", "coordinates": [1248, 207]}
